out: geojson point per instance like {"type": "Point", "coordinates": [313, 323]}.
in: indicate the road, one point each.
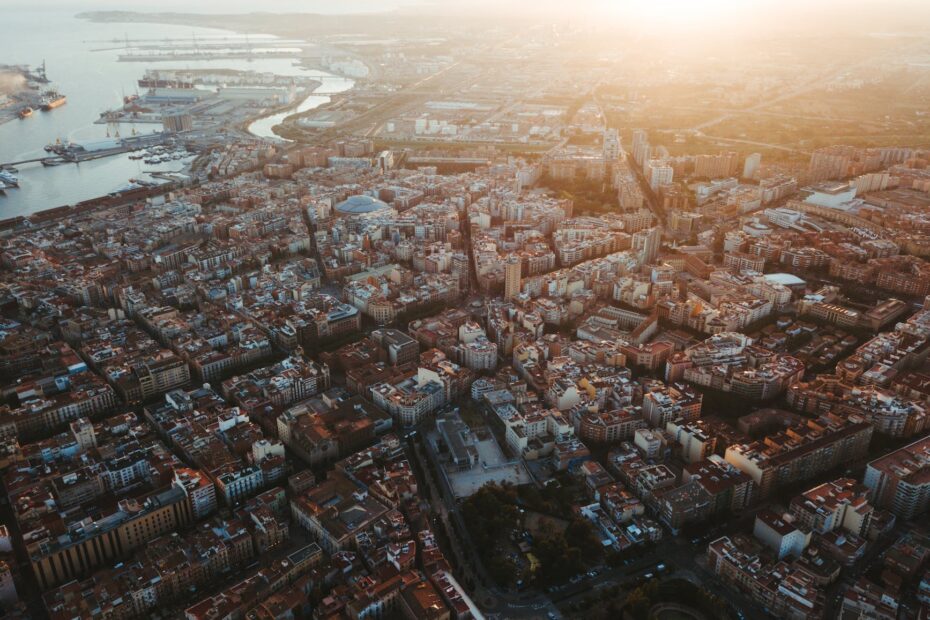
{"type": "Point", "coordinates": [768, 145]}
{"type": "Point", "coordinates": [686, 561]}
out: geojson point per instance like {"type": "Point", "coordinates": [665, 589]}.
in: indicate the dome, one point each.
{"type": "Point", "coordinates": [355, 205]}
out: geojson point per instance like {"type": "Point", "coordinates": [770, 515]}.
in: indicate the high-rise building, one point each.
{"type": "Point", "coordinates": [640, 146]}
{"type": "Point", "coordinates": [717, 166]}
{"type": "Point", "coordinates": [647, 243]}
{"type": "Point", "coordinates": [832, 162]}
{"type": "Point", "coordinates": [612, 147]}
{"type": "Point", "coordinates": [512, 275]}
{"type": "Point", "coordinates": [659, 173]}
{"type": "Point", "coordinates": [751, 165]}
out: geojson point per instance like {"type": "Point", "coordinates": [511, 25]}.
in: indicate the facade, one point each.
{"type": "Point", "coordinates": [663, 404]}
{"type": "Point", "coordinates": [399, 347]}
{"type": "Point", "coordinates": [801, 451]}
{"type": "Point", "coordinates": [787, 590]}
{"type": "Point", "coordinates": [730, 489]}
{"type": "Point", "coordinates": [900, 481]}
{"type": "Point", "coordinates": [411, 400]}
{"type": "Point", "coordinates": [840, 504]}
{"type": "Point", "coordinates": [133, 525]}
{"type": "Point", "coordinates": [608, 426]}
{"type": "Point", "coordinates": [696, 443]}
{"type": "Point", "coordinates": [780, 534]}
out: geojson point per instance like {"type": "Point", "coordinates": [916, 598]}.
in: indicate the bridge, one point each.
{"type": "Point", "coordinates": [57, 159]}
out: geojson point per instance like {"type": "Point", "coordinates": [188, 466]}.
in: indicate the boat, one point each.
{"type": "Point", "coordinates": [128, 187]}
{"type": "Point", "coordinates": [25, 112]}
{"type": "Point", "coordinates": [9, 179]}
{"type": "Point", "coordinates": [52, 99]}
{"type": "Point", "coordinates": [51, 162]}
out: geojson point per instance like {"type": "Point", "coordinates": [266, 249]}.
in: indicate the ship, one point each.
{"type": "Point", "coordinates": [8, 179]}
{"type": "Point", "coordinates": [157, 83]}
{"type": "Point", "coordinates": [52, 100]}
{"type": "Point", "coordinates": [25, 112]}
{"type": "Point", "coordinates": [153, 79]}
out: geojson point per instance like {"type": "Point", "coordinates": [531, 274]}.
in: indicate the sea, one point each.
{"type": "Point", "coordinates": [95, 81]}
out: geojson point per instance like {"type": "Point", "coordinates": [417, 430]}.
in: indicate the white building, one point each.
{"type": "Point", "coordinates": [240, 484]}
{"type": "Point", "coordinates": [659, 173]}
{"type": "Point", "coordinates": [751, 165]}
{"type": "Point", "coordinates": [780, 534]}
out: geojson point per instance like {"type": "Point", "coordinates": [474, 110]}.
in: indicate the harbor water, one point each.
{"type": "Point", "coordinates": [95, 81]}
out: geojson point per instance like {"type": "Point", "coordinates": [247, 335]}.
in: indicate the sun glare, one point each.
{"type": "Point", "coordinates": [679, 13]}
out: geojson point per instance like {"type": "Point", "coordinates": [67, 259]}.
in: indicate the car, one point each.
{"type": "Point", "coordinates": [552, 615]}
{"type": "Point", "coordinates": [660, 567]}
{"type": "Point", "coordinates": [648, 576]}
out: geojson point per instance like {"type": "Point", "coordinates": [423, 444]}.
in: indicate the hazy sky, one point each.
{"type": "Point", "coordinates": [215, 6]}
{"type": "Point", "coordinates": [695, 16]}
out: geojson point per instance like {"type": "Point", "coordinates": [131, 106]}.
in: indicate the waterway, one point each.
{"type": "Point", "coordinates": [94, 81]}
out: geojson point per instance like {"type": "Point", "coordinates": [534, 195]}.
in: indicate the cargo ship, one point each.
{"type": "Point", "coordinates": [25, 112]}
{"type": "Point", "coordinates": [52, 100]}
{"type": "Point", "coordinates": [153, 79]}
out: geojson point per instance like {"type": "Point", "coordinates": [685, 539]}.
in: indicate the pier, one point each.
{"type": "Point", "coordinates": [71, 155]}
{"type": "Point", "coordinates": [58, 159]}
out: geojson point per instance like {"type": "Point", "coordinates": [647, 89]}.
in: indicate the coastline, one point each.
{"type": "Point", "coordinates": [97, 193]}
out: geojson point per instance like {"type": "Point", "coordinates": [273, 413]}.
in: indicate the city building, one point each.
{"type": "Point", "coordinates": [900, 481]}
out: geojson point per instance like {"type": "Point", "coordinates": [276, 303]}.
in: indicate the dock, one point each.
{"type": "Point", "coordinates": [69, 155]}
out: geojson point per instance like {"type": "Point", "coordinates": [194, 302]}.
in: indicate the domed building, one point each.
{"type": "Point", "coordinates": [360, 205]}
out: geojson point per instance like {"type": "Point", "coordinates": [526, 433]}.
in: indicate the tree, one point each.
{"type": "Point", "coordinates": [580, 534]}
